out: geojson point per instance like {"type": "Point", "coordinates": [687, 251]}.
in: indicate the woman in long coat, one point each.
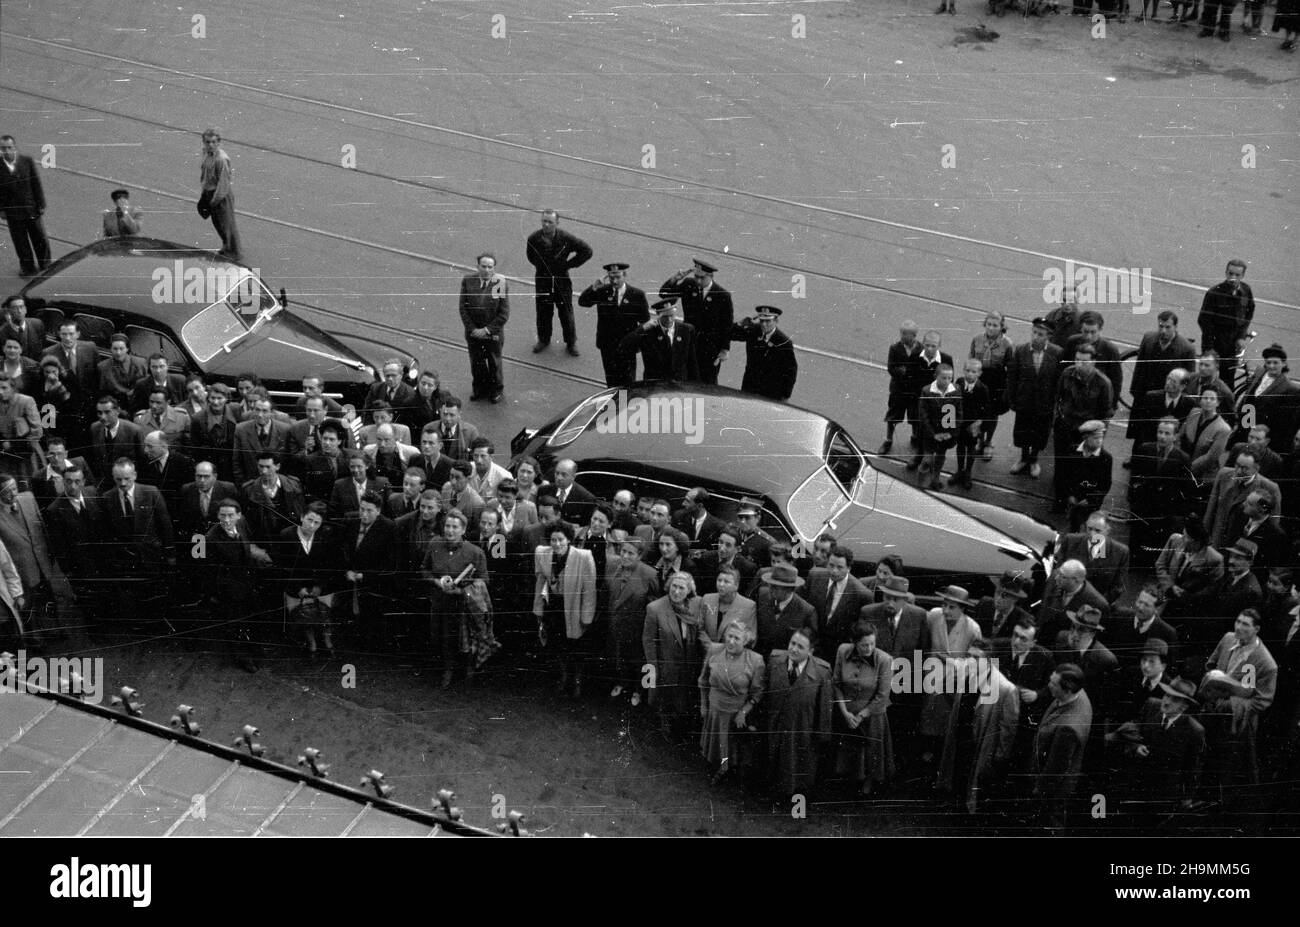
{"type": "Point", "coordinates": [863, 676]}
{"type": "Point", "coordinates": [632, 586]}
{"type": "Point", "coordinates": [731, 684]}
{"type": "Point", "coordinates": [564, 601]}
{"type": "Point", "coordinates": [670, 640]}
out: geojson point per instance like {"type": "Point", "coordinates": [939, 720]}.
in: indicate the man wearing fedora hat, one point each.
{"type": "Point", "coordinates": [667, 346]}
{"type": "Point", "coordinates": [707, 306]}
{"type": "Point", "coordinates": [1270, 398]}
{"type": "Point", "coordinates": [780, 609]}
{"type": "Point", "coordinates": [1081, 646]}
{"type": "Point", "coordinates": [902, 632]}
{"type": "Point", "coordinates": [123, 219]}
{"type": "Point", "coordinates": [1163, 750]}
{"type": "Point", "coordinates": [620, 308]}
{"type": "Point", "coordinates": [770, 365]}
{"type": "Point", "coordinates": [1137, 683]}
{"type": "Point", "coordinates": [1033, 371]}
{"type": "Point", "coordinates": [998, 614]}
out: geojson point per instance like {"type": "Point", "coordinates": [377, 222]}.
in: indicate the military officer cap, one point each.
{"type": "Point", "coordinates": [749, 506]}
{"type": "Point", "coordinates": [767, 312]}
{"type": "Point", "coordinates": [1092, 426]}
{"type": "Point", "coordinates": [665, 305]}
{"type": "Point", "coordinates": [1042, 323]}
{"type": "Point", "coordinates": [617, 265]}
{"type": "Point", "coordinates": [705, 266]}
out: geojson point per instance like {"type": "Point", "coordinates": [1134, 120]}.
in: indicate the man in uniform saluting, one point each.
{"type": "Point", "coordinates": [707, 306]}
{"type": "Point", "coordinates": [770, 365]}
{"type": "Point", "coordinates": [620, 308]}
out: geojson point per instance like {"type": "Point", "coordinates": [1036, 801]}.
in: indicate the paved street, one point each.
{"type": "Point", "coordinates": [812, 162]}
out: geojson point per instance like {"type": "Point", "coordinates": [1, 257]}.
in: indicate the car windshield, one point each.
{"type": "Point", "coordinates": [577, 421]}
{"type": "Point", "coordinates": [816, 503]}
{"type": "Point", "coordinates": [241, 311]}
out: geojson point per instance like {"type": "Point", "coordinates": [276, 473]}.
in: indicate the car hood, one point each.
{"type": "Point", "coordinates": [276, 343]}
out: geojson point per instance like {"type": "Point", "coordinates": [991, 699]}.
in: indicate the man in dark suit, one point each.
{"type": "Point", "coordinates": [1033, 372]}
{"type": "Point", "coordinates": [780, 610]}
{"type": "Point", "coordinates": [137, 531]}
{"type": "Point", "coordinates": [1128, 636]}
{"type": "Point", "coordinates": [706, 306]}
{"type": "Point", "coordinates": [484, 311]}
{"type": "Point", "coordinates": [667, 346]}
{"type": "Point", "coordinates": [838, 597]}
{"type": "Point", "coordinates": [576, 502]}
{"type": "Point", "coordinates": [197, 502]}
{"type": "Point", "coordinates": [1140, 673]}
{"type": "Point", "coordinates": [158, 377]}
{"type": "Point", "coordinates": [1225, 317]}
{"type": "Point", "coordinates": [1164, 748]}
{"type": "Point", "coordinates": [394, 392]}
{"type": "Point", "coordinates": [771, 367]}
{"type": "Point", "coordinates": [457, 435]}
{"type": "Point", "coordinates": [998, 614]}
{"type": "Point", "coordinates": [72, 522]}
{"type": "Point", "coordinates": [1028, 666]}
{"type": "Point", "coordinates": [1160, 353]}
{"type": "Point", "coordinates": [1259, 441]}
{"type": "Point", "coordinates": [406, 502]}
{"type": "Point", "coordinates": [165, 469]}
{"type": "Point", "coordinates": [29, 332]}
{"type": "Point", "coordinates": [1150, 407]}
{"type": "Point", "coordinates": [368, 541]}
{"type": "Point", "coordinates": [1105, 559]}
{"type": "Point", "coordinates": [1231, 487]}
{"type": "Point", "coordinates": [112, 438]}
{"type": "Point", "coordinates": [47, 483]}
{"type": "Point", "coordinates": [264, 433]}
{"type": "Point", "coordinates": [78, 358]}
{"type": "Point", "coordinates": [1084, 473]}
{"type": "Point", "coordinates": [903, 633]}
{"type": "Point", "coordinates": [553, 252]}
{"type": "Point", "coordinates": [304, 435]}
{"type": "Point", "coordinates": [727, 553]}
{"type": "Point", "coordinates": [1253, 521]}
{"type": "Point", "coordinates": [693, 520]}
{"type": "Point", "coordinates": [1060, 743]}
{"type": "Point", "coordinates": [1067, 590]}
{"type": "Point", "coordinates": [212, 431]}
{"type": "Point", "coordinates": [620, 308]}
{"type": "Point", "coordinates": [1159, 490]}
{"type": "Point", "coordinates": [22, 199]}
{"type": "Point", "coordinates": [435, 464]}
{"type": "Point", "coordinates": [1081, 646]}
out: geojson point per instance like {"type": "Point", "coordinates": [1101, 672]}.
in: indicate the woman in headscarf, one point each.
{"type": "Point", "coordinates": [670, 640]}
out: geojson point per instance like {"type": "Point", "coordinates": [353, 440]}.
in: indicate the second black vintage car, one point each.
{"type": "Point", "coordinates": [662, 439]}
{"type": "Point", "coordinates": [205, 314]}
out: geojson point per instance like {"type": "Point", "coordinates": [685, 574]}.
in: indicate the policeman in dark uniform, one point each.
{"type": "Point", "coordinates": [620, 308]}
{"type": "Point", "coordinates": [707, 306]}
{"type": "Point", "coordinates": [770, 365]}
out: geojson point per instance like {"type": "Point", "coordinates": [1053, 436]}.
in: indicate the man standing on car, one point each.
{"type": "Point", "coordinates": [554, 253]}
{"type": "Point", "coordinates": [484, 310]}
{"type": "Point", "coordinates": [218, 199]}
{"type": "Point", "coordinates": [22, 199]}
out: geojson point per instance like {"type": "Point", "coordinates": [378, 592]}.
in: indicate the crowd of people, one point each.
{"type": "Point", "coordinates": [1213, 16]}
{"type": "Point", "coordinates": [156, 495]}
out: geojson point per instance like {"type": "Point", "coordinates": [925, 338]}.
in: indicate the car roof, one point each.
{"type": "Point", "coordinates": [708, 427]}
{"type": "Point", "coordinates": [123, 274]}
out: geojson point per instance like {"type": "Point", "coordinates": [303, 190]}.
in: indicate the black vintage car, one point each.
{"type": "Point", "coordinates": [664, 438]}
{"type": "Point", "coordinates": [205, 314]}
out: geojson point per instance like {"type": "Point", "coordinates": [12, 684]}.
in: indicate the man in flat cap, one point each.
{"type": "Point", "coordinates": [707, 306]}
{"type": "Point", "coordinates": [1032, 374]}
{"type": "Point", "coordinates": [667, 346]}
{"type": "Point", "coordinates": [620, 308]}
{"type": "Point", "coordinates": [770, 364]}
{"type": "Point", "coordinates": [123, 219]}
{"type": "Point", "coordinates": [1083, 474]}
{"type": "Point", "coordinates": [554, 252]}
